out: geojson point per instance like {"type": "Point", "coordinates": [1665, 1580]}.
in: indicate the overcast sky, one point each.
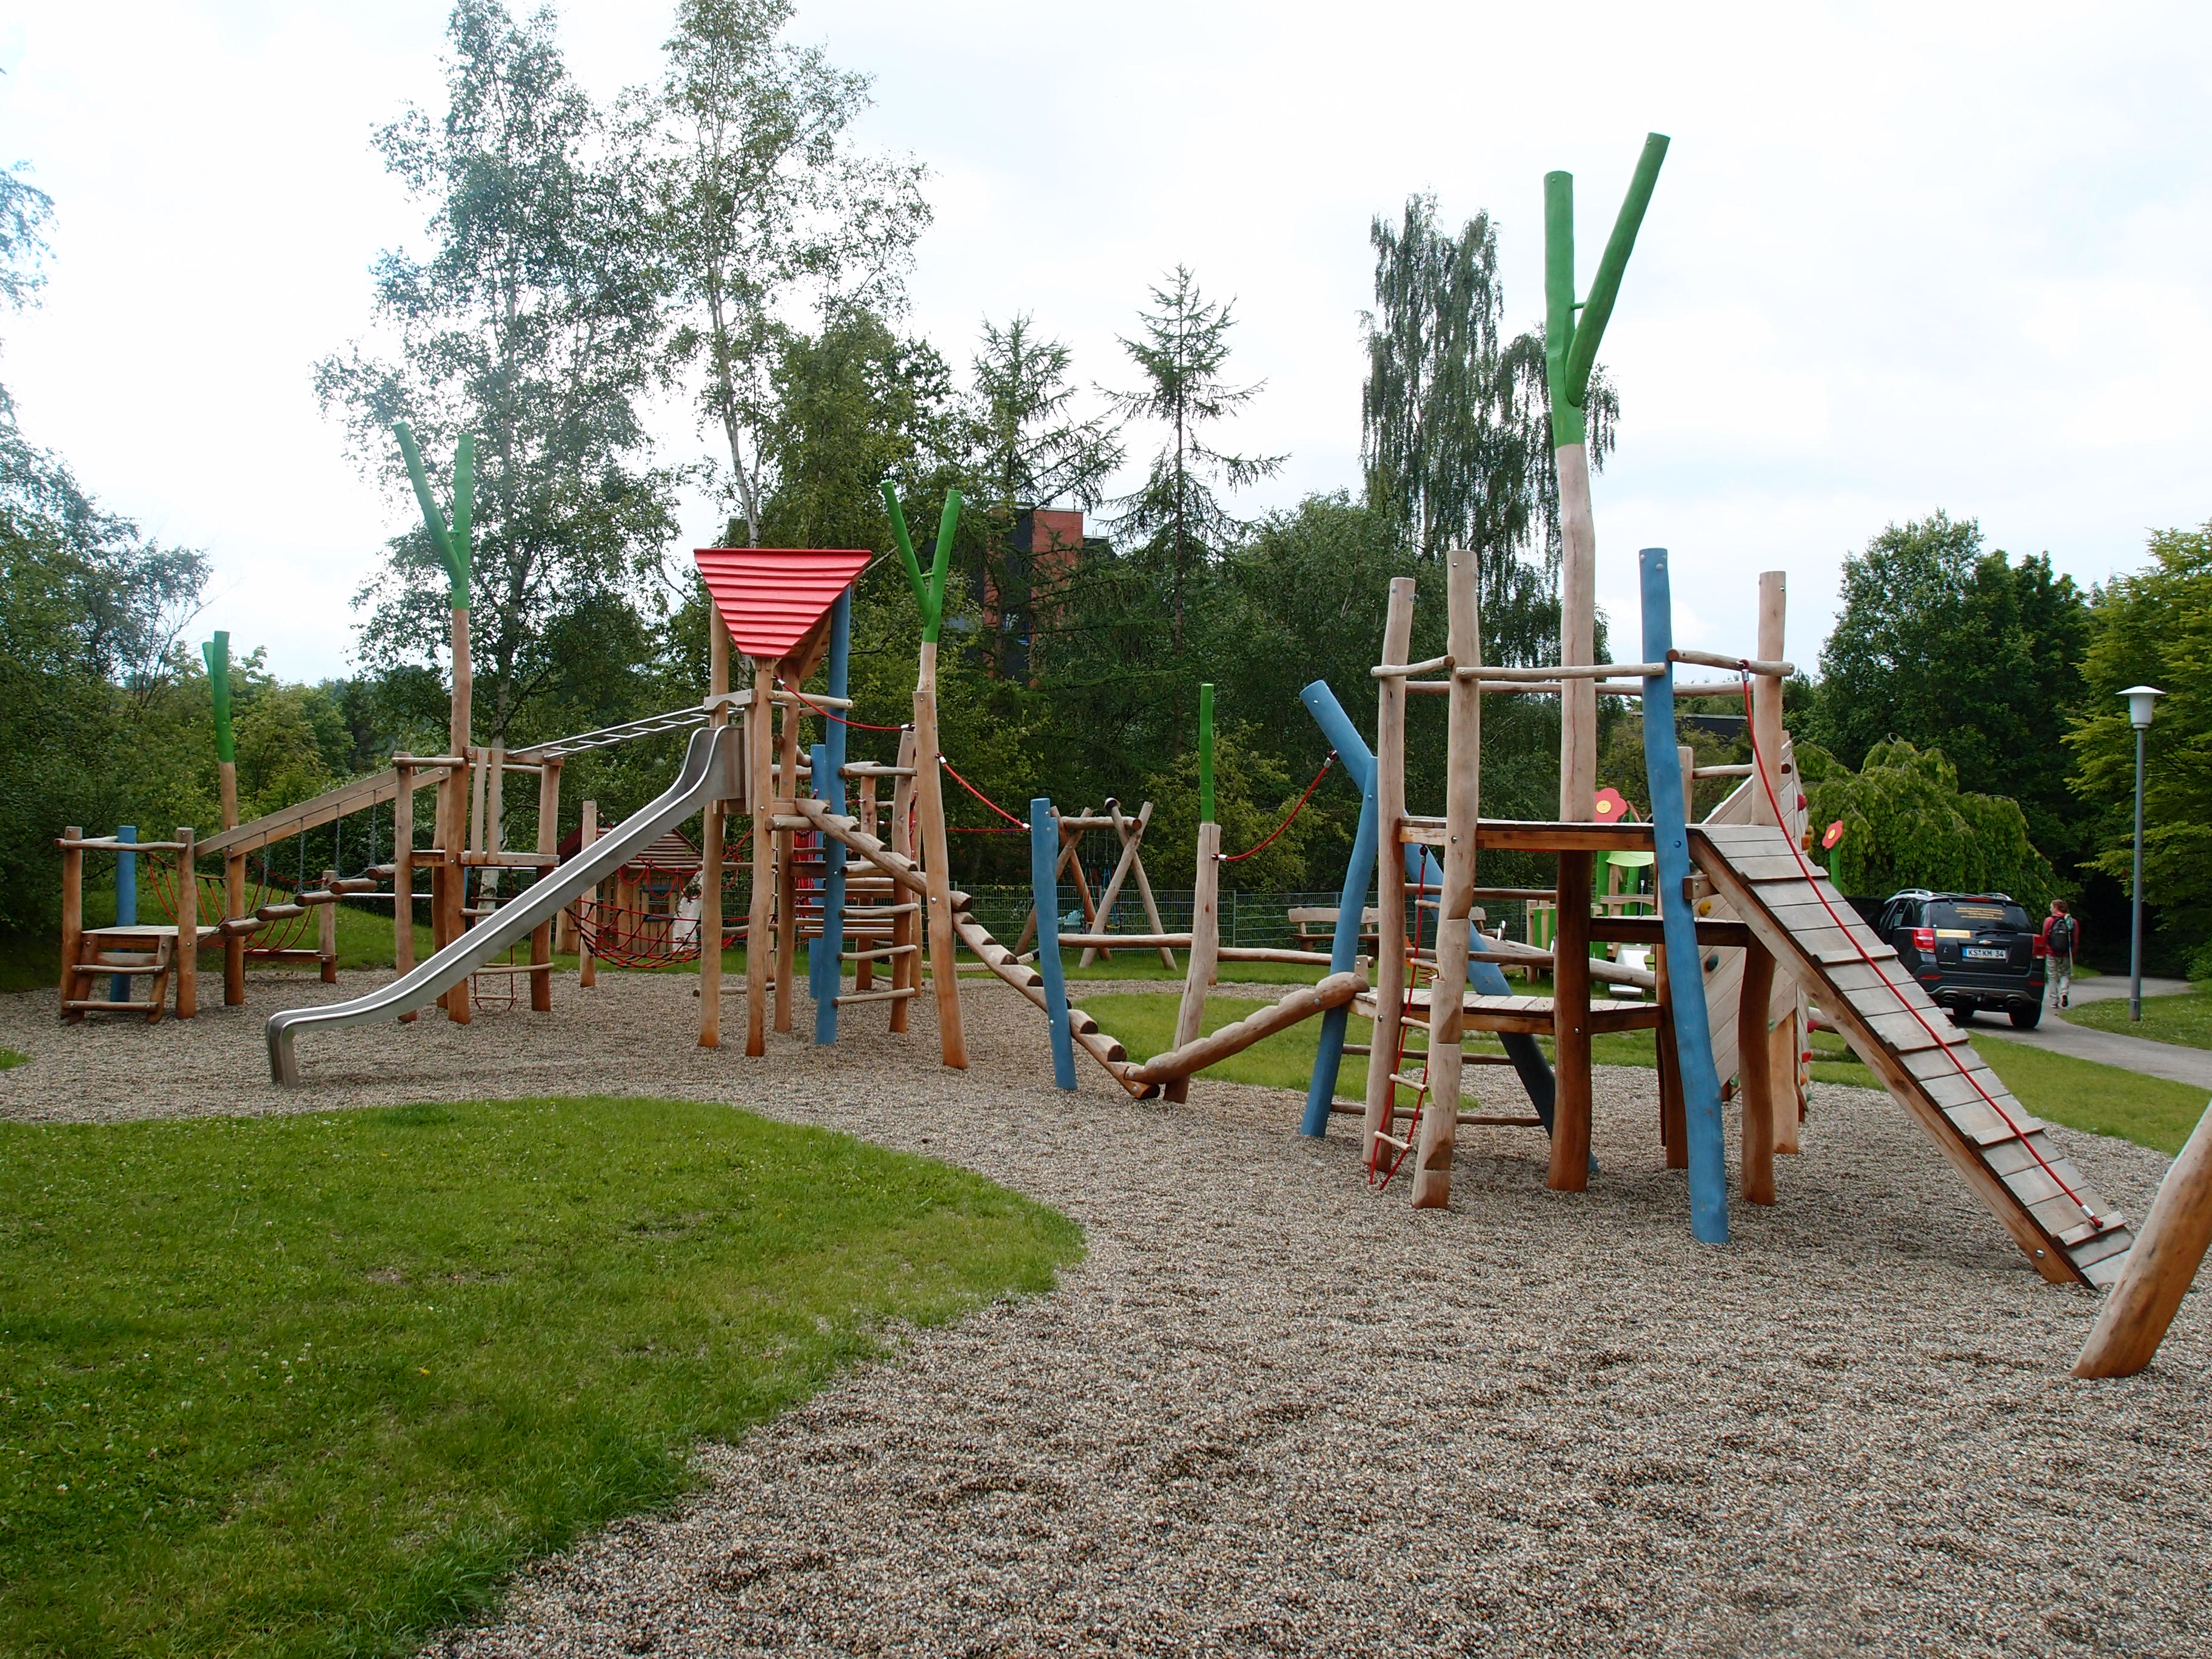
{"type": "Point", "coordinates": [1901, 257]}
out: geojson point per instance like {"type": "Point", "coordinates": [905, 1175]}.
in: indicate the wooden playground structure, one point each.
{"type": "Point", "coordinates": [1746, 933]}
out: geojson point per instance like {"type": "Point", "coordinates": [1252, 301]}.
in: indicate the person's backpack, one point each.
{"type": "Point", "coordinates": [2061, 936]}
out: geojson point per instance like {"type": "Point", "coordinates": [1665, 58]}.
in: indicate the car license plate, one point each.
{"type": "Point", "coordinates": [1984, 953]}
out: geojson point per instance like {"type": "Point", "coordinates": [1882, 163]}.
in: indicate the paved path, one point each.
{"type": "Point", "coordinates": [2166, 1060]}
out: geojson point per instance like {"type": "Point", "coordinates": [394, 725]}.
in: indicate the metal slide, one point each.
{"type": "Point", "coordinates": [713, 769]}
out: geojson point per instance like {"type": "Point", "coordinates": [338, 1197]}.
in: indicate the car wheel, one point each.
{"type": "Point", "coordinates": [2028, 1019]}
{"type": "Point", "coordinates": [1959, 1016]}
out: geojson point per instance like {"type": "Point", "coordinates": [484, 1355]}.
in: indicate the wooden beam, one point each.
{"type": "Point", "coordinates": [1439, 1126]}
{"type": "Point", "coordinates": [1507, 835]}
{"type": "Point", "coordinates": [1178, 1063]}
{"type": "Point", "coordinates": [1571, 1028]}
{"type": "Point", "coordinates": [1390, 963]}
{"type": "Point", "coordinates": [2161, 1265]}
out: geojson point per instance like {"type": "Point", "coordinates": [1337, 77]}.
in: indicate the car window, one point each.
{"type": "Point", "coordinates": [1962, 918]}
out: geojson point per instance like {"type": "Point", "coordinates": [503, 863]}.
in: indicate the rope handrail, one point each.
{"type": "Point", "coordinates": [1018, 823]}
{"type": "Point", "coordinates": [1231, 858]}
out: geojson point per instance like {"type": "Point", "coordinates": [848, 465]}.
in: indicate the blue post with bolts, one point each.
{"type": "Point", "coordinates": [1678, 919]}
{"type": "Point", "coordinates": [1044, 890]}
{"type": "Point", "coordinates": [825, 965]}
{"type": "Point", "coordinates": [126, 904]}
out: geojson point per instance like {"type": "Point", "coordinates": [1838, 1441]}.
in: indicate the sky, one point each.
{"type": "Point", "coordinates": [1900, 257]}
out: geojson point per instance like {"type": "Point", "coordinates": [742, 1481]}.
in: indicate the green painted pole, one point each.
{"type": "Point", "coordinates": [215, 652]}
{"type": "Point", "coordinates": [1605, 287]}
{"type": "Point", "coordinates": [906, 549]}
{"type": "Point", "coordinates": [1559, 305]}
{"type": "Point", "coordinates": [1206, 754]}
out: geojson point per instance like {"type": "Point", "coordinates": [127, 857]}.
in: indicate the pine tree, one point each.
{"type": "Point", "coordinates": [1181, 354]}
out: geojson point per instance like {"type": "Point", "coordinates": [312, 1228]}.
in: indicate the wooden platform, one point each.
{"type": "Point", "coordinates": [2029, 1183]}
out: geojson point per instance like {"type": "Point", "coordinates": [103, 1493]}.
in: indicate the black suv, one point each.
{"type": "Point", "coordinates": [1969, 951]}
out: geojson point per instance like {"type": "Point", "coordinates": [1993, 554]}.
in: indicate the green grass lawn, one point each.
{"type": "Point", "coordinates": [2149, 1110]}
{"type": "Point", "coordinates": [2185, 1019]}
{"type": "Point", "coordinates": [316, 1384]}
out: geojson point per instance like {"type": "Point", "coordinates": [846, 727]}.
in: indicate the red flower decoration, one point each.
{"type": "Point", "coordinates": [1611, 808]}
{"type": "Point", "coordinates": [1835, 833]}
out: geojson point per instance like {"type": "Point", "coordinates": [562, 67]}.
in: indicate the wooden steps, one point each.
{"type": "Point", "coordinates": [135, 953]}
{"type": "Point", "coordinates": [2066, 1230]}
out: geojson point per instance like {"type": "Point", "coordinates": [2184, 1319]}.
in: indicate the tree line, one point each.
{"type": "Point", "coordinates": [722, 238]}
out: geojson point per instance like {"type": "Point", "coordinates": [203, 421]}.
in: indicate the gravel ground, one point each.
{"type": "Point", "coordinates": [1273, 1412]}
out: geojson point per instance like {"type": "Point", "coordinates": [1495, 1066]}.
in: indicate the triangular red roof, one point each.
{"type": "Point", "coordinates": [770, 596]}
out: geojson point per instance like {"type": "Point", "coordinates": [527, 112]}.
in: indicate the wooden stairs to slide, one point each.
{"type": "Point", "coordinates": [2066, 1230]}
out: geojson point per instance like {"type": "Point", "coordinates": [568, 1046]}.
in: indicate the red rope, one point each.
{"type": "Point", "coordinates": [857, 725]}
{"type": "Point", "coordinates": [1231, 858]}
{"type": "Point", "coordinates": [1811, 875]}
{"type": "Point", "coordinates": [1018, 823]}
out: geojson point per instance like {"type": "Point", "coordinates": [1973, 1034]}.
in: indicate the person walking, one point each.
{"type": "Point", "coordinates": [2061, 934]}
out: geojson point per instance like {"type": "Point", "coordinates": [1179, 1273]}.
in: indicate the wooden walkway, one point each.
{"type": "Point", "coordinates": [2066, 1230]}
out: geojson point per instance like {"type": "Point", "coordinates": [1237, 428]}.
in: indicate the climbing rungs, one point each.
{"type": "Point", "coordinates": [1417, 1085]}
{"type": "Point", "coordinates": [121, 969]}
{"type": "Point", "coordinates": [101, 1005]}
{"type": "Point", "coordinates": [512, 967]}
{"type": "Point", "coordinates": [878, 955]}
{"type": "Point", "coordinates": [1392, 1140]}
{"type": "Point", "coordinates": [900, 995]}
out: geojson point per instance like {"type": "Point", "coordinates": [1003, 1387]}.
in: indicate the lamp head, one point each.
{"type": "Point", "coordinates": [2140, 699]}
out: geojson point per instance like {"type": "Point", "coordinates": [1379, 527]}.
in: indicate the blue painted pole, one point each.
{"type": "Point", "coordinates": [1343, 952]}
{"type": "Point", "coordinates": [1044, 894]}
{"type": "Point", "coordinates": [1486, 977]}
{"type": "Point", "coordinates": [826, 967]}
{"type": "Point", "coordinates": [126, 904]}
{"type": "Point", "coordinates": [1678, 922]}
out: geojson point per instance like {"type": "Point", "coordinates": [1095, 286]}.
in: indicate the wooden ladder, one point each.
{"type": "Point", "coordinates": [2058, 1221]}
{"type": "Point", "coordinates": [122, 953]}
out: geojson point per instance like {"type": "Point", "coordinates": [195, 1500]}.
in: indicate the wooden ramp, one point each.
{"type": "Point", "coordinates": [2067, 1232]}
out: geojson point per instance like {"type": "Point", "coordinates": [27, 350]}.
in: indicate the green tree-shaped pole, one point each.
{"type": "Point", "coordinates": [215, 652]}
{"type": "Point", "coordinates": [1570, 355]}
{"type": "Point", "coordinates": [928, 786]}
{"type": "Point", "coordinates": [452, 544]}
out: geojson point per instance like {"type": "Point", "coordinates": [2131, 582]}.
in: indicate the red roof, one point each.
{"type": "Point", "coordinates": [770, 596]}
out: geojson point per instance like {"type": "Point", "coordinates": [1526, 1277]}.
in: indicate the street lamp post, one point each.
{"type": "Point", "coordinates": [2141, 699]}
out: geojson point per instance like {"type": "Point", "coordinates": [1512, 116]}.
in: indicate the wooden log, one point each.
{"type": "Point", "coordinates": [1390, 963]}
{"type": "Point", "coordinates": [1578, 645]}
{"type": "Point", "coordinates": [549, 846]}
{"type": "Point", "coordinates": [1178, 1063]}
{"type": "Point", "coordinates": [907, 926]}
{"type": "Point", "coordinates": [403, 873]}
{"type": "Point", "coordinates": [936, 856]}
{"type": "Point", "coordinates": [786, 874]}
{"type": "Point", "coordinates": [72, 917]}
{"type": "Point", "coordinates": [2161, 1265]}
{"type": "Point", "coordinates": [1755, 1073]}
{"type": "Point", "coordinates": [1205, 945]}
{"type": "Point", "coordinates": [1082, 1028]}
{"type": "Point", "coordinates": [1087, 940]}
{"type": "Point", "coordinates": [1439, 1128]}
{"type": "Point", "coordinates": [1121, 827]}
{"type": "Point", "coordinates": [1753, 666]}
{"type": "Point", "coordinates": [864, 971]}
{"type": "Point", "coordinates": [587, 967]}
{"type": "Point", "coordinates": [188, 928]}
{"type": "Point", "coordinates": [760, 955]}
{"type": "Point", "coordinates": [233, 944]}
{"type": "Point", "coordinates": [326, 931]}
{"type": "Point", "coordinates": [1571, 1026]}
{"type": "Point", "coordinates": [1508, 834]}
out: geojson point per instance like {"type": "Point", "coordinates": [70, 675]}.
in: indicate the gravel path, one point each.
{"type": "Point", "coordinates": [1273, 1413]}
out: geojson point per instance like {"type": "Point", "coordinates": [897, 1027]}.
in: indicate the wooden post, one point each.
{"type": "Point", "coordinates": [929, 798]}
{"type": "Point", "coordinates": [786, 863]}
{"type": "Point", "coordinates": [1781, 775]}
{"type": "Point", "coordinates": [760, 948]}
{"type": "Point", "coordinates": [549, 846]}
{"type": "Point", "coordinates": [326, 932]}
{"type": "Point", "coordinates": [1571, 1027]}
{"type": "Point", "coordinates": [72, 915]}
{"type": "Point", "coordinates": [1390, 872]}
{"type": "Point", "coordinates": [402, 871]}
{"type": "Point", "coordinates": [233, 945]}
{"type": "Point", "coordinates": [1578, 642]}
{"type": "Point", "coordinates": [587, 967]}
{"type": "Point", "coordinates": [1204, 946]}
{"type": "Point", "coordinates": [906, 927]}
{"type": "Point", "coordinates": [188, 927]}
{"type": "Point", "coordinates": [1439, 1126]}
{"type": "Point", "coordinates": [1755, 1070]}
{"type": "Point", "coordinates": [2161, 1265]}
